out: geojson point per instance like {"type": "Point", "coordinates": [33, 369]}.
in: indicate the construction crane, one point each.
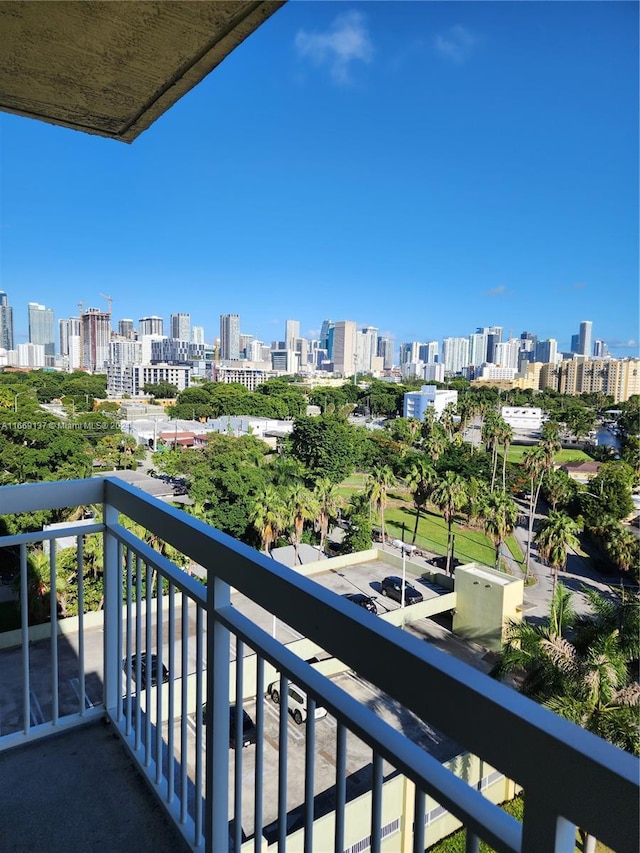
{"type": "Point", "coordinates": [109, 300]}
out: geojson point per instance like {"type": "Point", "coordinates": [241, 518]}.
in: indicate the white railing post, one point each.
{"type": "Point", "coordinates": [111, 607]}
{"type": "Point", "coordinates": [217, 738]}
{"type": "Point", "coordinates": [543, 829]}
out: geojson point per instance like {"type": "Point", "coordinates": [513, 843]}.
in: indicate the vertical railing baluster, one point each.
{"type": "Point", "coordinates": [198, 815]}
{"type": "Point", "coordinates": [341, 785]}
{"type": "Point", "coordinates": [217, 743]}
{"type": "Point", "coordinates": [471, 842]}
{"type": "Point", "coordinates": [80, 578]}
{"type": "Point", "coordinates": [259, 772]}
{"type": "Point", "coordinates": [147, 656]}
{"type": "Point", "coordinates": [309, 774]}
{"type": "Point", "coordinates": [118, 571]}
{"type": "Point", "coordinates": [419, 804]}
{"type": "Point", "coordinates": [112, 615]}
{"type": "Point", "coordinates": [138, 647]}
{"type": "Point", "coordinates": [24, 617]}
{"type": "Point", "coordinates": [128, 641]}
{"type": "Point", "coordinates": [159, 675]}
{"type": "Point", "coordinates": [53, 609]}
{"type": "Point", "coordinates": [239, 736]}
{"type": "Point", "coordinates": [184, 764]}
{"type": "Point", "coordinates": [171, 688]}
{"type": "Point", "coordinates": [543, 829]}
{"type": "Point", "coordinates": [376, 804]}
{"type": "Point", "coordinates": [283, 737]}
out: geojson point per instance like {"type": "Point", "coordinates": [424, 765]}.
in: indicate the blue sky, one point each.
{"type": "Point", "coordinates": [421, 167]}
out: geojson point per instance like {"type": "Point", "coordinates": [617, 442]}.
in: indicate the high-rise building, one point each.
{"type": "Point", "coordinates": [180, 327]}
{"type": "Point", "coordinates": [31, 355]}
{"type": "Point", "coordinates": [126, 330]}
{"type": "Point", "coordinates": [584, 338]}
{"type": "Point", "coordinates": [494, 336]}
{"type": "Point", "coordinates": [6, 322]}
{"type": "Point", "coordinates": [245, 345]}
{"type": "Point", "coordinates": [477, 349]}
{"type": "Point", "coordinates": [344, 347]}
{"type": "Point", "coordinates": [153, 325]}
{"type": "Point", "coordinates": [600, 349]}
{"type": "Point", "coordinates": [385, 352]}
{"type": "Point", "coordinates": [324, 335]}
{"type": "Point", "coordinates": [506, 354]}
{"type": "Point", "coordinates": [41, 328]}
{"type": "Point", "coordinates": [69, 339]}
{"type": "Point", "coordinates": [229, 337]}
{"type": "Point", "coordinates": [96, 335]}
{"type": "Point", "coordinates": [291, 333]}
{"type": "Point", "coordinates": [455, 354]}
{"type": "Point", "coordinates": [409, 352]}
{"type": "Point", "coordinates": [366, 348]}
{"type": "Point", "coordinates": [547, 351]}
{"type": "Point", "coordinates": [197, 334]}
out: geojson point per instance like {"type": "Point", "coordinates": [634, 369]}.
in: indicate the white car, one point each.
{"type": "Point", "coordinates": [398, 543]}
{"type": "Point", "coordinates": [297, 702]}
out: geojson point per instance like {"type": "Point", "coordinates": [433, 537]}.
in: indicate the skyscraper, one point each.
{"type": "Point", "coordinates": [197, 334]}
{"type": "Point", "coordinates": [229, 337]}
{"type": "Point", "coordinates": [291, 334]}
{"type": "Point", "coordinates": [385, 352]}
{"type": "Point", "coordinates": [546, 351]}
{"type": "Point", "coordinates": [366, 348]}
{"type": "Point", "coordinates": [6, 322]}
{"type": "Point", "coordinates": [41, 327]}
{"type": "Point", "coordinates": [584, 338]}
{"type": "Point", "coordinates": [344, 347]}
{"type": "Point", "coordinates": [180, 327]}
{"type": "Point", "coordinates": [324, 335]}
{"type": "Point", "coordinates": [455, 354]}
{"type": "Point", "coordinates": [96, 335]}
{"type": "Point", "coordinates": [153, 325]}
{"type": "Point", "coordinates": [126, 330]}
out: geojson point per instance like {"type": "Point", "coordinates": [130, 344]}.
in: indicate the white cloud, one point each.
{"type": "Point", "coordinates": [346, 41]}
{"type": "Point", "coordinates": [455, 44]}
{"type": "Point", "coordinates": [500, 290]}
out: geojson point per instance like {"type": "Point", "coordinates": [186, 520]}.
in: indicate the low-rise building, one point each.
{"type": "Point", "coordinates": [416, 403]}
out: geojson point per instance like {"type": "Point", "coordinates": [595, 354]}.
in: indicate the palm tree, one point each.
{"type": "Point", "coordinates": [420, 480]}
{"type": "Point", "coordinates": [506, 436]}
{"type": "Point", "coordinates": [491, 437]}
{"type": "Point", "coordinates": [590, 680]}
{"type": "Point", "coordinates": [267, 516]}
{"type": "Point", "coordinates": [436, 442]}
{"type": "Point", "coordinates": [477, 494]}
{"type": "Point", "coordinates": [500, 516]}
{"type": "Point", "coordinates": [534, 462]}
{"type": "Point", "coordinates": [377, 489]}
{"type": "Point", "coordinates": [556, 534]}
{"type": "Point", "coordinates": [622, 546]}
{"type": "Point", "coordinates": [327, 503]}
{"type": "Point", "coordinates": [450, 496]}
{"type": "Point", "coordinates": [301, 507]}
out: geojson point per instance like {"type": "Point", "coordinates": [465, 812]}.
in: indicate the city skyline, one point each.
{"type": "Point", "coordinates": [414, 167]}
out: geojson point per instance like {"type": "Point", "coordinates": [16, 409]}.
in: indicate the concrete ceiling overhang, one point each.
{"type": "Point", "coordinates": [112, 67]}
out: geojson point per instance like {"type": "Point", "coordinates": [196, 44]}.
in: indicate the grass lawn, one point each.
{"type": "Point", "coordinates": [455, 843]}
{"type": "Point", "coordinates": [516, 550]}
{"type": "Point", "coordinates": [515, 453]}
{"type": "Point", "coordinates": [354, 483]}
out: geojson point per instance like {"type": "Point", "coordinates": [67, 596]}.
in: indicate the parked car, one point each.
{"type": "Point", "coordinates": [248, 728]}
{"type": "Point", "coordinates": [361, 600]}
{"type": "Point", "coordinates": [148, 669]}
{"type": "Point", "coordinates": [391, 586]}
{"type": "Point", "coordinates": [297, 702]}
{"type": "Point", "coordinates": [403, 546]}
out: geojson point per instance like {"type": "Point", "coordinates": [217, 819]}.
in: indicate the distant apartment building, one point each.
{"type": "Point", "coordinates": [522, 418]}
{"type": "Point", "coordinates": [147, 342]}
{"type": "Point", "coordinates": [197, 334]}
{"type": "Point", "coordinates": [41, 327]}
{"type": "Point", "coordinates": [31, 355]}
{"type": "Point", "coordinates": [584, 338]}
{"type": "Point", "coordinates": [174, 351]}
{"type": "Point", "coordinates": [291, 333]}
{"type": "Point", "coordinates": [125, 351]}
{"type": "Point", "coordinates": [250, 377]}
{"type": "Point", "coordinates": [385, 352]}
{"type": "Point", "coordinates": [495, 371]}
{"type": "Point", "coordinates": [6, 322]}
{"type": "Point", "coordinates": [367, 349]}
{"type": "Point", "coordinates": [409, 351]}
{"type": "Point", "coordinates": [285, 361]}
{"type": "Point", "coordinates": [229, 337]}
{"type": "Point", "coordinates": [131, 378]}
{"type": "Point", "coordinates": [95, 327]}
{"type": "Point", "coordinates": [600, 349]}
{"type": "Point", "coordinates": [507, 354]}
{"type": "Point", "coordinates": [546, 351]}
{"type": "Point", "coordinates": [152, 325]}
{"type": "Point", "coordinates": [126, 329]}
{"type": "Point", "coordinates": [455, 355]}
{"type": "Point", "coordinates": [433, 372]}
{"type": "Point", "coordinates": [618, 377]}
{"type": "Point", "coordinates": [416, 403]}
{"type": "Point", "coordinates": [493, 335]}
{"type": "Point", "coordinates": [477, 349]}
{"type": "Point", "coordinates": [70, 342]}
{"type": "Point", "coordinates": [344, 347]}
{"type": "Point", "coordinates": [180, 327]}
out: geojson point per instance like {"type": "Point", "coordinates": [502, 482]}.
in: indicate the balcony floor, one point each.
{"type": "Point", "coordinates": [79, 792]}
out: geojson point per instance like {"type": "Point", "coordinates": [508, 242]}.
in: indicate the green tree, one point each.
{"type": "Point", "coordinates": [326, 445]}
{"type": "Point", "coordinates": [268, 516]}
{"type": "Point", "coordinates": [450, 496]}
{"type": "Point", "coordinates": [377, 490]}
{"type": "Point", "coordinates": [556, 534]}
{"type": "Point", "coordinates": [500, 515]}
{"type": "Point", "coordinates": [420, 480]}
{"type": "Point", "coordinates": [301, 507]}
{"type": "Point", "coordinates": [623, 548]}
{"type": "Point", "coordinates": [327, 503]}
{"type": "Point", "coordinates": [161, 390]}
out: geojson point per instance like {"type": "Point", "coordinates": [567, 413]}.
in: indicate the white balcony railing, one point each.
{"type": "Point", "coordinates": [570, 778]}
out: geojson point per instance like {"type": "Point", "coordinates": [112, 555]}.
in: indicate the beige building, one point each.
{"type": "Point", "coordinates": [618, 377]}
{"type": "Point", "coordinates": [344, 347]}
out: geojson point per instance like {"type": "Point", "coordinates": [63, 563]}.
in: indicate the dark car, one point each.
{"type": "Point", "coordinates": [392, 587]}
{"type": "Point", "coordinates": [148, 669]}
{"type": "Point", "coordinates": [362, 600]}
{"type": "Point", "coordinates": [248, 728]}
